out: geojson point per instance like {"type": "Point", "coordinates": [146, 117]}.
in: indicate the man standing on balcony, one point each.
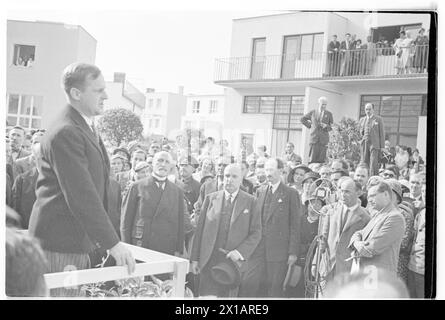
{"type": "Point", "coordinates": [333, 56]}
{"type": "Point", "coordinates": [373, 139]}
{"type": "Point", "coordinates": [345, 48]}
{"type": "Point", "coordinates": [319, 121]}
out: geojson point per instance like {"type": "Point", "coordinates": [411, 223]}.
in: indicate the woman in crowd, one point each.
{"type": "Point", "coordinates": [296, 176]}
{"type": "Point", "coordinates": [205, 170]}
{"type": "Point", "coordinates": [117, 163]}
{"type": "Point", "coordinates": [402, 48]}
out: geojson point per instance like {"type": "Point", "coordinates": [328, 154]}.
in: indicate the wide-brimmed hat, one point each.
{"type": "Point", "coordinates": [290, 176]}
{"type": "Point", "coordinates": [141, 165]}
{"type": "Point", "coordinates": [293, 276]}
{"type": "Point", "coordinates": [310, 175]}
{"type": "Point", "coordinates": [226, 273]}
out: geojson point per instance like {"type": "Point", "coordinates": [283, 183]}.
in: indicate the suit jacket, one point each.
{"type": "Point", "coordinates": [191, 192]}
{"type": "Point", "coordinates": [244, 232]}
{"type": "Point", "coordinates": [156, 226]}
{"type": "Point", "coordinates": [24, 195]}
{"type": "Point", "coordinates": [70, 212]}
{"type": "Point", "coordinates": [337, 239]}
{"type": "Point", "coordinates": [24, 164]}
{"type": "Point", "coordinates": [281, 227]}
{"type": "Point", "coordinates": [317, 133]}
{"type": "Point", "coordinates": [376, 133]}
{"type": "Point", "coordinates": [115, 204]}
{"type": "Point", "coordinates": [207, 188]}
{"type": "Point", "coordinates": [334, 45]}
{"type": "Point", "coordinates": [383, 236]}
{"type": "Point", "coordinates": [15, 169]}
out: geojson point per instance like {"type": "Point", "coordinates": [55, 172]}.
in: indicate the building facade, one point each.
{"type": "Point", "coordinates": [206, 113]}
{"type": "Point", "coordinates": [37, 53]}
{"type": "Point", "coordinates": [279, 67]}
{"type": "Point", "coordinates": [122, 94]}
{"type": "Point", "coordinates": [163, 112]}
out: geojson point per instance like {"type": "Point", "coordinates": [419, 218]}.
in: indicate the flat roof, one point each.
{"type": "Point", "coordinates": [54, 23]}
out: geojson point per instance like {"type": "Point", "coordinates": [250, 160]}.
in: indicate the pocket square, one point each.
{"type": "Point", "coordinates": [246, 211]}
{"type": "Point", "coordinates": [279, 200]}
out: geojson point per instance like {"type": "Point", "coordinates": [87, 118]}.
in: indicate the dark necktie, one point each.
{"type": "Point", "coordinates": [345, 216]}
{"type": "Point", "coordinates": [93, 128]}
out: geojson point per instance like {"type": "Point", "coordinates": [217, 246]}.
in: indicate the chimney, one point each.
{"type": "Point", "coordinates": [119, 77]}
{"type": "Point", "coordinates": [149, 90]}
{"type": "Point", "coordinates": [181, 90]}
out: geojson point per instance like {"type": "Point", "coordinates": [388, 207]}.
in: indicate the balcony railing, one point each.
{"type": "Point", "coordinates": [359, 63]}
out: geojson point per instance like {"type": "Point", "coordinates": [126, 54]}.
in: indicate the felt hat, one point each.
{"type": "Point", "coordinates": [293, 276]}
{"type": "Point", "coordinates": [310, 175]}
{"type": "Point", "coordinates": [396, 187]}
{"type": "Point", "coordinates": [227, 273]}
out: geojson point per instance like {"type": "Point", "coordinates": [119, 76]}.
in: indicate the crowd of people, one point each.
{"type": "Point", "coordinates": [245, 220]}
{"type": "Point", "coordinates": [353, 56]}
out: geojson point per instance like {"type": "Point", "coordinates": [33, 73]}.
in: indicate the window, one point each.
{"type": "Point", "coordinates": [400, 115]}
{"type": "Point", "coordinates": [213, 106]}
{"type": "Point", "coordinates": [195, 106]}
{"type": "Point", "coordinates": [24, 110]}
{"type": "Point", "coordinates": [24, 55]}
{"type": "Point", "coordinates": [300, 47]}
{"type": "Point", "coordinates": [150, 123]}
{"type": "Point", "coordinates": [158, 103]}
{"type": "Point", "coordinates": [286, 110]}
{"type": "Point", "coordinates": [150, 103]}
{"type": "Point", "coordinates": [157, 123]}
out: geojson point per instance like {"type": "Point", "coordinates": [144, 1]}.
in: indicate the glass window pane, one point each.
{"type": "Point", "coordinates": [391, 124]}
{"type": "Point", "coordinates": [13, 104]}
{"type": "Point", "coordinates": [267, 105]}
{"type": "Point", "coordinates": [295, 122]}
{"type": "Point", "coordinates": [252, 105]}
{"type": "Point", "coordinates": [409, 125]}
{"type": "Point", "coordinates": [281, 121]}
{"type": "Point", "coordinates": [306, 47]}
{"type": "Point", "coordinates": [297, 106]}
{"type": "Point", "coordinates": [38, 106]}
{"type": "Point", "coordinates": [318, 46]}
{"type": "Point", "coordinates": [36, 123]}
{"type": "Point", "coordinates": [259, 49]}
{"type": "Point", "coordinates": [24, 122]}
{"type": "Point", "coordinates": [292, 48]}
{"type": "Point", "coordinates": [12, 121]}
{"type": "Point", "coordinates": [283, 105]}
{"type": "Point", "coordinates": [25, 108]}
{"type": "Point", "coordinates": [407, 140]}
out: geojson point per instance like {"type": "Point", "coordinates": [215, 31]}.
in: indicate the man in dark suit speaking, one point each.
{"type": "Point", "coordinates": [70, 213]}
{"type": "Point", "coordinates": [373, 139]}
{"type": "Point", "coordinates": [319, 122]}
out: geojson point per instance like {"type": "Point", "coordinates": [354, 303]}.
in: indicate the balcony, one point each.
{"type": "Point", "coordinates": [347, 64]}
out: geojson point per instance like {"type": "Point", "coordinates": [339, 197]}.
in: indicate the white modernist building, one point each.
{"type": "Point", "coordinates": [37, 52]}
{"type": "Point", "coordinates": [122, 94]}
{"type": "Point", "coordinates": [279, 67]}
{"type": "Point", "coordinates": [163, 112]}
{"type": "Point", "coordinates": [206, 113]}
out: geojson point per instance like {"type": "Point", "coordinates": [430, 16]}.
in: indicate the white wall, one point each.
{"type": "Point", "coordinates": [57, 46]}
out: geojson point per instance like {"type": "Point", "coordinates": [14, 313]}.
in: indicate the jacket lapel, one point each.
{"type": "Point", "coordinates": [353, 218]}
{"type": "Point", "coordinates": [164, 197]}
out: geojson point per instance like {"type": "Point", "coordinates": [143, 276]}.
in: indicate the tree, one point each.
{"type": "Point", "coordinates": [120, 125]}
{"type": "Point", "coordinates": [344, 142]}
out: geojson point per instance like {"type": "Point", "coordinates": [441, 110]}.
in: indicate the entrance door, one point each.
{"type": "Point", "coordinates": [258, 58]}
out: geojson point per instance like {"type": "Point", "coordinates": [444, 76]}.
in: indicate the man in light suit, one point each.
{"type": "Point", "coordinates": [70, 216]}
{"type": "Point", "coordinates": [319, 121]}
{"type": "Point", "coordinates": [228, 220]}
{"type": "Point", "coordinates": [281, 211]}
{"type": "Point", "coordinates": [373, 139]}
{"type": "Point", "coordinates": [153, 211]}
{"type": "Point", "coordinates": [343, 220]}
{"type": "Point", "coordinates": [378, 244]}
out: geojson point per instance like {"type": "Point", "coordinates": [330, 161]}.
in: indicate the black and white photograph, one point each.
{"type": "Point", "coordinates": [242, 154]}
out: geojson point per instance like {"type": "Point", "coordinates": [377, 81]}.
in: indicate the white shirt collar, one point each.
{"type": "Point", "coordinates": [275, 186]}
{"type": "Point", "coordinates": [89, 121]}
{"type": "Point", "coordinates": [227, 194]}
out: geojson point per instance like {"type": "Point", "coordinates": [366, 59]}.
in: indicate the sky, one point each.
{"type": "Point", "coordinates": [156, 49]}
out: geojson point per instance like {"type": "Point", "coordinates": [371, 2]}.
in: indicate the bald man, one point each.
{"type": "Point", "coordinates": [153, 212]}
{"type": "Point", "coordinates": [228, 220]}
{"type": "Point", "coordinates": [319, 121]}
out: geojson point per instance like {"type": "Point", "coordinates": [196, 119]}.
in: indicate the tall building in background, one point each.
{"type": "Point", "coordinates": [279, 67]}
{"type": "Point", "coordinates": [163, 112]}
{"type": "Point", "coordinates": [37, 53]}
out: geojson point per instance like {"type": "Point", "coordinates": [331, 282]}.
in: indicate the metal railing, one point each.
{"type": "Point", "coordinates": [359, 63]}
